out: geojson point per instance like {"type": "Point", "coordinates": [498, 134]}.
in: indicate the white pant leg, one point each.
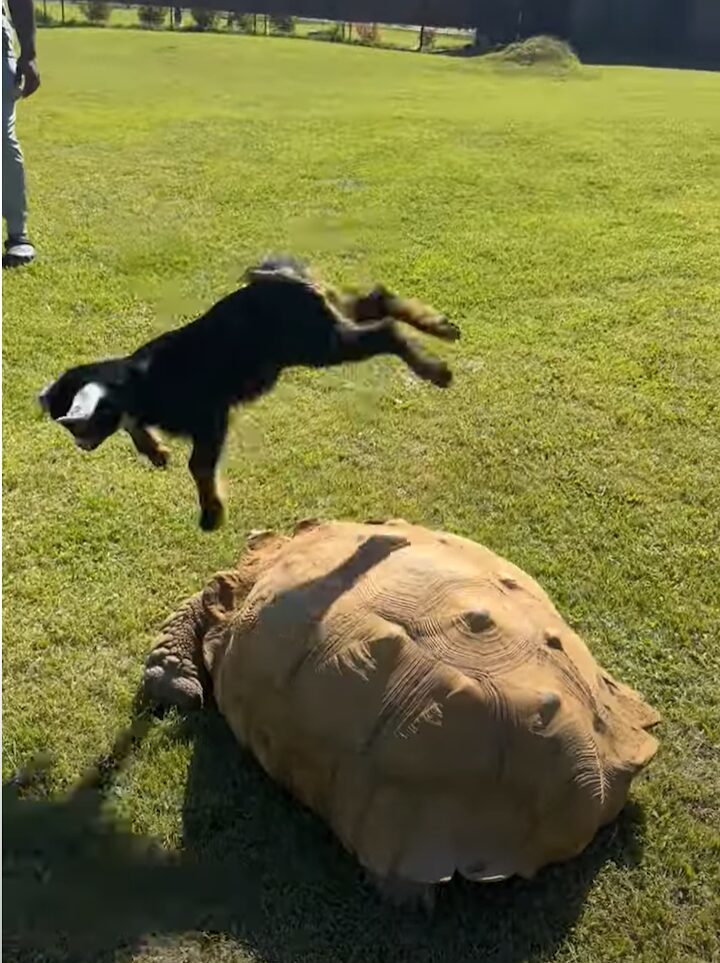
{"type": "Point", "coordinates": [14, 198]}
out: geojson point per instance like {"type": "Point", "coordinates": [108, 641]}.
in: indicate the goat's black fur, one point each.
{"type": "Point", "coordinates": [185, 381]}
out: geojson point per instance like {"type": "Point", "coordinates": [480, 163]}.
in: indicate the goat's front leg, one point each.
{"type": "Point", "coordinates": [147, 443]}
{"type": "Point", "coordinates": [381, 303]}
{"type": "Point", "coordinates": [204, 458]}
{"type": "Point", "coordinates": [357, 342]}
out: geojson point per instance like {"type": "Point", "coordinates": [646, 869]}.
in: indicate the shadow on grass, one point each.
{"type": "Point", "coordinates": [256, 866]}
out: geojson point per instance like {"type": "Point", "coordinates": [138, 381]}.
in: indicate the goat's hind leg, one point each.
{"type": "Point", "coordinates": [366, 340]}
{"type": "Point", "coordinates": [381, 303]}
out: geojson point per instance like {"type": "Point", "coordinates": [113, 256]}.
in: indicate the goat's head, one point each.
{"type": "Point", "coordinates": [87, 401]}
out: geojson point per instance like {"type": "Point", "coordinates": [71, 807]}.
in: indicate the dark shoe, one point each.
{"type": "Point", "coordinates": [18, 251]}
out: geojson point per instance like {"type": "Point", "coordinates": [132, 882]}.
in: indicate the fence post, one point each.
{"type": "Point", "coordinates": [266, 24]}
{"type": "Point", "coordinates": [254, 24]}
{"type": "Point", "coordinates": [62, 11]}
{"type": "Point", "coordinates": [422, 37]}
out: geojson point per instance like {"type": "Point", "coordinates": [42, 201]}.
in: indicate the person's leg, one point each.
{"type": "Point", "coordinates": [14, 198]}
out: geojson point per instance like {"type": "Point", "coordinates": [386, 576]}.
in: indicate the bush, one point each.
{"type": "Point", "coordinates": [96, 11]}
{"type": "Point", "coordinates": [240, 21]}
{"type": "Point", "coordinates": [367, 33]}
{"type": "Point", "coordinates": [151, 16]}
{"type": "Point", "coordinates": [282, 23]}
{"type": "Point", "coordinates": [42, 19]}
{"type": "Point", "coordinates": [204, 19]}
{"type": "Point", "coordinates": [540, 51]}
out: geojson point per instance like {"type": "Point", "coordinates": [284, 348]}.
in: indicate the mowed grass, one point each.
{"type": "Point", "coordinates": [571, 226]}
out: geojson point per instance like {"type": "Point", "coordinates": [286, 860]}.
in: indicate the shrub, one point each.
{"type": "Point", "coordinates": [540, 51]}
{"type": "Point", "coordinates": [240, 21]}
{"type": "Point", "coordinates": [151, 16]}
{"type": "Point", "coordinates": [282, 23]}
{"type": "Point", "coordinates": [367, 33]}
{"type": "Point", "coordinates": [204, 19]}
{"type": "Point", "coordinates": [96, 11]}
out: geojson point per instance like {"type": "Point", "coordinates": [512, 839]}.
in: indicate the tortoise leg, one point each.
{"type": "Point", "coordinates": [175, 670]}
{"type": "Point", "coordinates": [174, 674]}
{"type": "Point", "coordinates": [179, 669]}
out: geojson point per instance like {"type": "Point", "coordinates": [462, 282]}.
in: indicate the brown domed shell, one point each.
{"type": "Point", "coordinates": [424, 697]}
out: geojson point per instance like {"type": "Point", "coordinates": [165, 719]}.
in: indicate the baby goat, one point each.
{"type": "Point", "coordinates": [186, 380]}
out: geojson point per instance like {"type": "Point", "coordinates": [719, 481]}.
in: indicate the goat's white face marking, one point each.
{"type": "Point", "coordinates": [84, 404]}
{"type": "Point", "coordinates": [87, 399]}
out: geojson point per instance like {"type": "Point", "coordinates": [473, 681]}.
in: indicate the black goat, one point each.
{"type": "Point", "coordinates": [186, 380]}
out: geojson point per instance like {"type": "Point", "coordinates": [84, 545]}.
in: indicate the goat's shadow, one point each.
{"type": "Point", "coordinates": [256, 867]}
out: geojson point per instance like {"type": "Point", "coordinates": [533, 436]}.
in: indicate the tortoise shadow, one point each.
{"type": "Point", "coordinates": [255, 867]}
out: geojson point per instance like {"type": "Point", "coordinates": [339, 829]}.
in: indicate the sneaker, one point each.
{"type": "Point", "coordinates": [18, 251]}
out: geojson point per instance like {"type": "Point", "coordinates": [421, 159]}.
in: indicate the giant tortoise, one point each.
{"type": "Point", "coordinates": [419, 693]}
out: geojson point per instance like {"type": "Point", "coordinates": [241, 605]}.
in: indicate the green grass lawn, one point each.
{"type": "Point", "coordinates": [571, 226]}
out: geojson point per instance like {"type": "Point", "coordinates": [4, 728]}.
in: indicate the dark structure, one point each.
{"type": "Point", "coordinates": [664, 30]}
{"type": "Point", "coordinates": [645, 30]}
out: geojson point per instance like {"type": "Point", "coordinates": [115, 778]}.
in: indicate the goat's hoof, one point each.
{"type": "Point", "coordinates": [445, 329]}
{"type": "Point", "coordinates": [439, 374]}
{"type": "Point", "coordinates": [160, 458]}
{"type": "Point", "coordinates": [212, 517]}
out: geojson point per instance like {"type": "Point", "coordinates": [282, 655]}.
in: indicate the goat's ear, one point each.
{"type": "Point", "coordinates": [44, 396]}
{"type": "Point", "coordinates": [84, 405]}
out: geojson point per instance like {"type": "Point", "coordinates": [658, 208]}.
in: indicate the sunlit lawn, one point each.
{"type": "Point", "coordinates": [571, 226]}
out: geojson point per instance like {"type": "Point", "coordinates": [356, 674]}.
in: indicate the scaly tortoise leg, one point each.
{"type": "Point", "coordinates": [175, 673]}
{"type": "Point", "coordinates": [177, 670]}
{"type": "Point", "coordinates": [173, 669]}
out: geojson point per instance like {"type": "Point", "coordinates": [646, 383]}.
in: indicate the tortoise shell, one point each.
{"type": "Point", "coordinates": [419, 693]}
